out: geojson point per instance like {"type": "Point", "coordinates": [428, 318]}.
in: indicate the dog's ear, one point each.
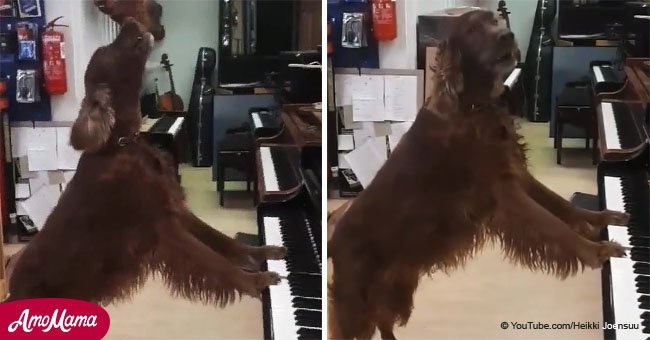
{"type": "Point", "coordinates": [447, 79]}
{"type": "Point", "coordinates": [96, 119]}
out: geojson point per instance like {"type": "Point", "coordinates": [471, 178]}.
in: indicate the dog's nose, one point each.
{"type": "Point", "coordinates": [506, 35]}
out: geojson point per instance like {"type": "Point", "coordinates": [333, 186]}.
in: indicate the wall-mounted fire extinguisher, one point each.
{"type": "Point", "coordinates": [54, 73]}
{"type": "Point", "coordinates": [384, 20]}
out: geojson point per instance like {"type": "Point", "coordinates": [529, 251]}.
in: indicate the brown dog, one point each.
{"type": "Point", "coordinates": [147, 12]}
{"type": "Point", "coordinates": [457, 179]}
{"type": "Point", "coordinates": [123, 215]}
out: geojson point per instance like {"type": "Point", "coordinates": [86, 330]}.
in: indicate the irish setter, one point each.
{"type": "Point", "coordinates": [456, 180]}
{"type": "Point", "coordinates": [147, 12]}
{"type": "Point", "coordinates": [123, 215]}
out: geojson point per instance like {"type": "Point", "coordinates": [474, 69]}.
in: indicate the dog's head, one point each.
{"type": "Point", "coordinates": [112, 81]}
{"type": "Point", "coordinates": [472, 62]}
{"type": "Point", "coordinates": [148, 12]}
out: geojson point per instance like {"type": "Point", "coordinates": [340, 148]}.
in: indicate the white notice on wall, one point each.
{"type": "Point", "coordinates": [67, 157]}
{"type": "Point", "coordinates": [400, 98]}
{"type": "Point", "coordinates": [367, 159]}
{"type": "Point", "coordinates": [40, 204]}
{"type": "Point", "coordinates": [362, 86]}
{"type": "Point", "coordinates": [367, 109]}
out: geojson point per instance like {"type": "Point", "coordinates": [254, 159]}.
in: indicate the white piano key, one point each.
{"type": "Point", "coordinates": [173, 130]}
{"type": "Point", "coordinates": [268, 170]}
{"type": "Point", "coordinates": [257, 122]}
{"type": "Point", "coordinates": [282, 318]}
{"type": "Point", "coordinates": [611, 135]}
{"type": "Point", "coordinates": [624, 298]}
{"type": "Point", "coordinates": [278, 266]}
{"type": "Point", "coordinates": [512, 78]}
{"type": "Point", "coordinates": [613, 193]}
{"type": "Point", "coordinates": [620, 235]}
{"type": "Point", "coordinates": [599, 74]}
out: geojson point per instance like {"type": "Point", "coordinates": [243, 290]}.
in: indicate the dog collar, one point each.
{"type": "Point", "coordinates": [126, 140]}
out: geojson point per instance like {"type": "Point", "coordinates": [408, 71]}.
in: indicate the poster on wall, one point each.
{"type": "Point", "coordinates": [7, 9]}
{"type": "Point", "coordinates": [29, 8]}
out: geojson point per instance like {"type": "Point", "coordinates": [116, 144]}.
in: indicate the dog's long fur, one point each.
{"type": "Point", "coordinates": [123, 215]}
{"type": "Point", "coordinates": [456, 180]}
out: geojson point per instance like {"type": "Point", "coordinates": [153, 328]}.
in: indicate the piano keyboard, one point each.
{"type": "Point", "coordinates": [167, 124]}
{"type": "Point", "coordinates": [512, 78]}
{"type": "Point", "coordinates": [257, 122]}
{"type": "Point", "coordinates": [277, 168]}
{"type": "Point", "coordinates": [296, 303]}
{"type": "Point", "coordinates": [630, 297]}
{"type": "Point", "coordinates": [629, 289]}
{"type": "Point", "coordinates": [611, 134]}
{"type": "Point", "coordinates": [619, 125]}
{"type": "Point", "coordinates": [604, 79]}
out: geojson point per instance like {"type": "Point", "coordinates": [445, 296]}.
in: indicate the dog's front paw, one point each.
{"type": "Point", "coordinates": [587, 230]}
{"type": "Point", "coordinates": [273, 252]}
{"type": "Point", "coordinates": [266, 279]}
{"type": "Point", "coordinates": [609, 217]}
{"type": "Point", "coordinates": [601, 252]}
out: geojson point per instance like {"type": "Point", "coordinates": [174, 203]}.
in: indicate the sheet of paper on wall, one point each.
{"type": "Point", "coordinates": [42, 159]}
{"type": "Point", "coordinates": [19, 139]}
{"type": "Point", "coordinates": [397, 131]}
{"type": "Point", "coordinates": [41, 203]}
{"type": "Point", "coordinates": [23, 168]}
{"type": "Point", "coordinates": [368, 109]}
{"type": "Point", "coordinates": [363, 86]}
{"type": "Point", "coordinates": [400, 98]}
{"type": "Point", "coordinates": [346, 142]}
{"type": "Point", "coordinates": [38, 181]}
{"type": "Point", "coordinates": [41, 138]}
{"type": "Point", "coordinates": [367, 159]}
{"type": "Point", "coordinates": [22, 190]}
{"type": "Point", "coordinates": [363, 133]}
{"type": "Point", "coordinates": [67, 157]}
{"type": "Point", "coordinates": [343, 163]}
{"type": "Point", "coordinates": [347, 118]}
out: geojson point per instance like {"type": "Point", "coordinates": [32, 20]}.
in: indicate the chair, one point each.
{"type": "Point", "coordinates": [235, 151]}
{"type": "Point", "coordinates": [574, 107]}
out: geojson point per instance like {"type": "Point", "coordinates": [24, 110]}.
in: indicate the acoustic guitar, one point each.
{"type": "Point", "coordinates": [169, 101]}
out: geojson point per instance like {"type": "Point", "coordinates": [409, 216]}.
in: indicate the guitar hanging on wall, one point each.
{"type": "Point", "coordinates": [169, 101]}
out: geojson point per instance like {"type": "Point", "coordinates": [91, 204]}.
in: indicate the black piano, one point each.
{"type": "Point", "coordinates": [289, 215]}
{"type": "Point", "coordinates": [623, 177]}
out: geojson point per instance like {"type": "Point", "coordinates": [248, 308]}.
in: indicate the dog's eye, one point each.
{"type": "Point", "coordinates": [140, 37]}
{"type": "Point", "coordinates": [495, 22]}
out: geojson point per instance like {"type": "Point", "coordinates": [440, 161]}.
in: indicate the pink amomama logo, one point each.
{"type": "Point", "coordinates": [52, 318]}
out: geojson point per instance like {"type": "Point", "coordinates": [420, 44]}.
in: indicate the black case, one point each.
{"type": "Point", "coordinates": [201, 109]}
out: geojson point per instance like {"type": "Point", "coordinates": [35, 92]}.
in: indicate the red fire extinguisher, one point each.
{"type": "Point", "coordinates": [384, 22]}
{"type": "Point", "coordinates": [54, 74]}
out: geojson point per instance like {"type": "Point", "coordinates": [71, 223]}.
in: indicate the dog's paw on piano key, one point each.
{"type": "Point", "coordinates": [266, 279]}
{"type": "Point", "coordinates": [614, 218]}
{"type": "Point", "coordinates": [602, 252]}
{"type": "Point", "coordinates": [273, 252]}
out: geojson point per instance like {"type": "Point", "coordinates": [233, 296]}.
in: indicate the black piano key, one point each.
{"type": "Point", "coordinates": [642, 268]}
{"type": "Point", "coordinates": [284, 167]}
{"type": "Point", "coordinates": [305, 303]}
{"type": "Point", "coordinates": [308, 318]}
{"type": "Point", "coordinates": [640, 241]}
{"type": "Point", "coordinates": [310, 334]}
{"type": "Point", "coordinates": [640, 254]}
{"type": "Point", "coordinates": [644, 302]}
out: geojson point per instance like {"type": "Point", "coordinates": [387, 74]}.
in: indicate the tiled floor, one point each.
{"type": "Point", "coordinates": [472, 302]}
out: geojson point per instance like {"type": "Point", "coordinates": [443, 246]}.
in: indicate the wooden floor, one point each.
{"type": "Point", "coordinates": [473, 302]}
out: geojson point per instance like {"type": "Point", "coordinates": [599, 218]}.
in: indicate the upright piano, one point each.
{"type": "Point", "coordinates": [623, 177]}
{"type": "Point", "coordinates": [289, 215]}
